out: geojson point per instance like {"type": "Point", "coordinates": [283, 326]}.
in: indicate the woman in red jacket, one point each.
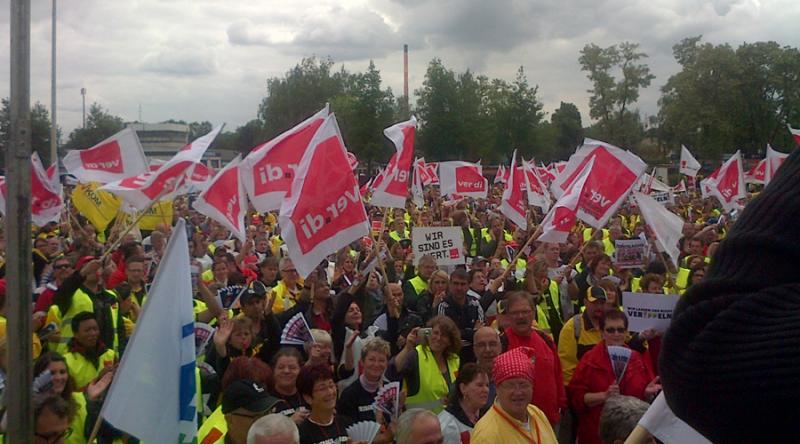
{"type": "Point", "coordinates": [594, 380]}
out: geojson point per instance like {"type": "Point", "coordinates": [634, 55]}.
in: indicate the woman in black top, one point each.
{"type": "Point", "coordinates": [286, 367]}
{"type": "Point", "coordinates": [323, 425]}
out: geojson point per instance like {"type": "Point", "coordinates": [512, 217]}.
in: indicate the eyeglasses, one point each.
{"type": "Point", "coordinates": [61, 267]}
{"type": "Point", "coordinates": [616, 330]}
{"type": "Point", "coordinates": [51, 438]}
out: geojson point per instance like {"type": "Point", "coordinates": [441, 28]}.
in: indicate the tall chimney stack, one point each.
{"type": "Point", "coordinates": [405, 73]}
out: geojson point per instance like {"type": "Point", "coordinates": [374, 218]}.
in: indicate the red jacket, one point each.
{"type": "Point", "coordinates": [594, 374]}
{"type": "Point", "coordinates": [548, 390]}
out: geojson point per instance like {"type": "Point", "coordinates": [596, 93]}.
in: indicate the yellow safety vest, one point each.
{"type": "Point", "coordinates": [79, 420]}
{"type": "Point", "coordinates": [432, 385]}
{"type": "Point", "coordinates": [214, 428]}
{"type": "Point", "coordinates": [587, 234]}
{"type": "Point", "coordinates": [418, 284]}
{"type": "Point", "coordinates": [541, 309]}
{"type": "Point", "coordinates": [608, 246]}
{"type": "Point", "coordinates": [83, 371]}
{"type": "Point", "coordinates": [80, 302]}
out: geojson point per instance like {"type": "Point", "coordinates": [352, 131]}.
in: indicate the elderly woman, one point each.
{"type": "Point", "coordinates": [469, 394]}
{"type": "Point", "coordinates": [429, 362]}
{"type": "Point", "coordinates": [594, 380]}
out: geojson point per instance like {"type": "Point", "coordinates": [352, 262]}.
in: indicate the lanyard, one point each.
{"type": "Point", "coordinates": [519, 429]}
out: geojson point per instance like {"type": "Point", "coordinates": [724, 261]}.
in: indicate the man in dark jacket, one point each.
{"type": "Point", "coordinates": [465, 311]}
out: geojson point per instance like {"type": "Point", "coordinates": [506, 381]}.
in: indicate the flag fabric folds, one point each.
{"type": "Point", "coordinates": [463, 178]}
{"type": "Point", "coordinates": [152, 396]}
{"type": "Point", "coordinates": [689, 165]}
{"type": "Point", "coordinates": [270, 168]}
{"type": "Point", "coordinates": [144, 188]}
{"type": "Point", "coordinates": [666, 226]}
{"type": "Point", "coordinates": [393, 189]}
{"type": "Point", "coordinates": [46, 201]}
{"type": "Point", "coordinates": [323, 211]}
{"type": "Point", "coordinates": [728, 184]}
{"type": "Point", "coordinates": [513, 202]}
{"type": "Point", "coordinates": [225, 199]}
{"type": "Point", "coordinates": [113, 159]}
{"type": "Point", "coordinates": [562, 217]}
{"type": "Point", "coordinates": [773, 161]}
{"type": "Point", "coordinates": [538, 195]}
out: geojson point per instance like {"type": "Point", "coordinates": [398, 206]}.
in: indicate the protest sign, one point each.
{"type": "Point", "coordinates": [630, 253]}
{"type": "Point", "coordinates": [445, 244]}
{"type": "Point", "coordinates": [648, 310]}
{"type": "Point", "coordinates": [663, 197]}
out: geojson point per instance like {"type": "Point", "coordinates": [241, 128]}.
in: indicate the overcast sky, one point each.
{"type": "Point", "coordinates": [209, 59]}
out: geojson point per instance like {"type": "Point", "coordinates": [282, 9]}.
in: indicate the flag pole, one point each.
{"type": "Point", "coordinates": [579, 254]}
{"type": "Point", "coordinates": [133, 224]}
{"type": "Point", "coordinates": [513, 263]}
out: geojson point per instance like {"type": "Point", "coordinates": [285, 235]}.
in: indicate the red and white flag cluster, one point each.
{"type": "Point", "coordinates": [727, 183]}
{"type": "Point", "coordinates": [513, 205]}
{"type": "Point", "coordinates": [225, 199]}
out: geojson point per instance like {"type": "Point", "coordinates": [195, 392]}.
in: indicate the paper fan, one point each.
{"type": "Point", "coordinates": [226, 296]}
{"type": "Point", "coordinates": [202, 334]}
{"type": "Point", "coordinates": [296, 331]}
{"type": "Point", "coordinates": [388, 399]}
{"type": "Point", "coordinates": [363, 431]}
{"type": "Point", "coordinates": [619, 360]}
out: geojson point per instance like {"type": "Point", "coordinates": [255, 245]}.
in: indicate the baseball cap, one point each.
{"type": "Point", "coordinates": [245, 394]}
{"type": "Point", "coordinates": [83, 261]}
{"type": "Point", "coordinates": [595, 293]}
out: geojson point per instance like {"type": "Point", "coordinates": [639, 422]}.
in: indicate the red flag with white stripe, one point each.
{"type": "Point", "coordinates": [113, 159]}
{"type": "Point", "coordinates": [144, 188]}
{"type": "Point", "coordinates": [538, 195]}
{"type": "Point", "coordinates": [225, 199]}
{"type": "Point", "coordinates": [502, 175]}
{"type": "Point", "coordinates": [393, 189]}
{"type": "Point", "coordinates": [463, 178]}
{"type": "Point", "coordinates": [756, 173]}
{"type": "Point", "coordinates": [270, 168]}
{"type": "Point", "coordinates": [562, 217]}
{"type": "Point", "coordinates": [513, 202]}
{"type": "Point", "coordinates": [728, 185]}
{"type": "Point", "coordinates": [323, 211]}
{"type": "Point", "coordinates": [615, 173]}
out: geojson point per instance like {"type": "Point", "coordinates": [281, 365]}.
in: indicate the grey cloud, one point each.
{"type": "Point", "coordinates": [180, 62]}
{"type": "Point", "coordinates": [243, 32]}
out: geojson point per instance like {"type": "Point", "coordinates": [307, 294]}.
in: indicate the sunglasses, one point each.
{"type": "Point", "coordinates": [616, 330]}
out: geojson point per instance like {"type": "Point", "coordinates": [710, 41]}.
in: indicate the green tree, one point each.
{"type": "Point", "coordinates": [611, 98]}
{"type": "Point", "coordinates": [100, 124]}
{"type": "Point", "coordinates": [438, 113]}
{"type": "Point", "coordinates": [303, 91]}
{"type": "Point", "coordinates": [568, 129]}
{"type": "Point", "coordinates": [40, 130]}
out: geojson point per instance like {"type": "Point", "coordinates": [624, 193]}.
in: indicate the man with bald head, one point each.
{"type": "Point", "coordinates": [487, 346]}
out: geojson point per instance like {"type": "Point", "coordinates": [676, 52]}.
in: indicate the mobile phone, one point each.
{"type": "Point", "coordinates": [47, 329]}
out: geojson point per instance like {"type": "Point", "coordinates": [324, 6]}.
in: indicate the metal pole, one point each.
{"type": "Point", "coordinates": [18, 230]}
{"type": "Point", "coordinates": [53, 120]}
{"type": "Point", "coordinates": [83, 101]}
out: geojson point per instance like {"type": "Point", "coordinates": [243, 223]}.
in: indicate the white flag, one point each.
{"type": "Point", "coordinates": [152, 396]}
{"type": "Point", "coordinates": [689, 165]}
{"type": "Point", "coordinates": [666, 427]}
{"type": "Point", "coordinates": [774, 161]}
{"type": "Point", "coordinates": [113, 159]}
{"type": "Point", "coordinates": [665, 225]}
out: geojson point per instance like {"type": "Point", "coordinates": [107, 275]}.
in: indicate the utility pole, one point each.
{"type": "Point", "coordinates": [53, 120]}
{"type": "Point", "coordinates": [83, 101]}
{"type": "Point", "coordinates": [18, 230]}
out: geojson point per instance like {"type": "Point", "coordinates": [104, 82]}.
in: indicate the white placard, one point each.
{"type": "Point", "coordinates": [649, 310]}
{"type": "Point", "coordinates": [445, 244]}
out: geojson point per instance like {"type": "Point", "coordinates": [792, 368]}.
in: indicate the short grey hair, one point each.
{"type": "Point", "coordinates": [273, 425]}
{"type": "Point", "coordinates": [620, 416]}
{"type": "Point", "coordinates": [405, 422]}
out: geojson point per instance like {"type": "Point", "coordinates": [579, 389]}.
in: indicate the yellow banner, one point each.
{"type": "Point", "coordinates": [159, 214]}
{"type": "Point", "coordinates": [99, 207]}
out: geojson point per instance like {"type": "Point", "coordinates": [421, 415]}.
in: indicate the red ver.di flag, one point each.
{"type": "Point", "coordinates": [225, 200]}
{"type": "Point", "coordinates": [113, 159]}
{"type": "Point", "coordinates": [728, 185]}
{"type": "Point", "coordinates": [46, 202]}
{"type": "Point", "coordinates": [513, 205]}
{"type": "Point", "coordinates": [614, 174]}
{"type": "Point", "coordinates": [143, 189]}
{"type": "Point", "coordinates": [773, 161]}
{"type": "Point", "coordinates": [562, 217]}
{"type": "Point", "coordinates": [463, 178]}
{"type": "Point", "coordinates": [323, 211]}
{"type": "Point", "coordinates": [393, 189]}
{"type": "Point", "coordinates": [270, 168]}
{"type": "Point", "coordinates": [538, 195]}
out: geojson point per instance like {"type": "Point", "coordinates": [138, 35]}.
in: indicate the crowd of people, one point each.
{"type": "Point", "coordinates": [510, 347]}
